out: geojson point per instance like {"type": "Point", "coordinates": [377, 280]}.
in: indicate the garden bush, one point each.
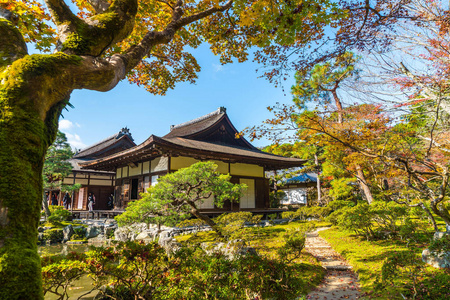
{"type": "Point", "coordinates": [305, 212]}
{"type": "Point", "coordinates": [134, 270]}
{"type": "Point", "coordinates": [59, 272]}
{"type": "Point", "coordinates": [58, 214]}
{"type": "Point", "coordinates": [403, 269]}
{"type": "Point", "coordinates": [379, 220]}
{"type": "Point", "coordinates": [293, 246]}
{"type": "Point", "coordinates": [53, 235]}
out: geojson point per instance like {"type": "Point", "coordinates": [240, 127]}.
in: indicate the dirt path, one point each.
{"type": "Point", "coordinates": [340, 282]}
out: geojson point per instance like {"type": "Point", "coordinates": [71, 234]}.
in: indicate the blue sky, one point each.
{"type": "Point", "coordinates": [236, 86]}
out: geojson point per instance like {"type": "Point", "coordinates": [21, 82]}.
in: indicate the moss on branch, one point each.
{"type": "Point", "coordinates": [101, 31]}
{"type": "Point", "coordinates": [12, 44]}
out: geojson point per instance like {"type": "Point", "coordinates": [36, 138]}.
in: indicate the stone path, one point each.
{"type": "Point", "coordinates": [340, 282]}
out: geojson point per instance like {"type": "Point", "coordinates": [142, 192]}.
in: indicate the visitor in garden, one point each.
{"type": "Point", "coordinates": [91, 202]}
{"type": "Point", "coordinates": [110, 201]}
{"type": "Point", "coordinates": [54, 200]}
{"type": "Point", "coordinates": [66, 201]}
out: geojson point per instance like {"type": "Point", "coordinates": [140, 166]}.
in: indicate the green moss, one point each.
{"type": "Point", "coordinates": [107, 29]}
{"type": "Point", "coordinates": [24, 139]}
{"type": "Point", "coordinates": [53, 235]}
{"type": "Point", "coordinates": [11, 41]}
{"type": "Point", "coordinates": [76, 43]}
{"type": "Point", "coordinates": [367, 259]}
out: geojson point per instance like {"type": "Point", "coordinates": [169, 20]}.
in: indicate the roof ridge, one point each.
{"type": "Point", "coordinates": [124, 131]}
{"type": "Point", "coordinates": [220, 110]}
{"type": "Point", "coordinates": [96, 144]}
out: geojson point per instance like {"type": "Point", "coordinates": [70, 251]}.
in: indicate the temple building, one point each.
{"type": "Point", "coordinates": [296, 189]}
{"type": "Point", "coordinates": [211, 137]}
{"type": "Point", "coordinates": [100, 183]}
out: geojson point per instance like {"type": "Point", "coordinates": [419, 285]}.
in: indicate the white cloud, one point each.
{"type": "Point", "coordinates": [65, 125]}
{"type": "Point", "coordinates": [217, 68]}
{"type": "Point", "coordinates": [75, 141]}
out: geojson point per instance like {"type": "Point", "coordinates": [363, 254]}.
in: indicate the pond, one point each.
{"type": "Point", "coordinates": [79, 287]}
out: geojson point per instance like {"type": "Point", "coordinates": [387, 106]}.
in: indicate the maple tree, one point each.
{"type": "Point", "coordinates": [93, 44]}
{"type": "Point", "coordinates": [401, 139]}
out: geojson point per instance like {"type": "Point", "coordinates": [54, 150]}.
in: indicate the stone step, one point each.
{"type": "Point", "coordinates": [318, 247]}
{"type": "Point", "coordinates": [337, 268]}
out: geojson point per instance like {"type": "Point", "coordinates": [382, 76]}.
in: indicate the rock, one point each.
{"type": "Point", "coordinates": [266, 224]}
{"type": "Point", "coordinates": [109, 229]}
{"type": "Point", "coordinates": [92, 232]}
{"type": "Point", "coordinates": [146, 235]}
{"type": "Point", "coordinates": [67, 233]}
{"type": "Point", "coordinates": [447, 227]}
{"type": "Point", "coordinates": [99, 239]}
{"type": "Point", "coordinates": [170, 245]}
{"type": "Point", "coordinates": [121, 234]}
{"type": "Point", "coordinates": [231, 250]}
{"type": "Point", "coordinates": [441, 260]}
{"type": "Point", "coordinates": [439, 235]}
{"type": "Point", "coordinates": [40, 237]}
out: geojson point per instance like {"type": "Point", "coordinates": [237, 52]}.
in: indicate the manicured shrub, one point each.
{"type": "Point", "coordinates": [358, 220]}
{"type": "Point", "coordinates": [293, 246]}
{"type": "Point", "coordinates": [379, 220]}
{"type": "Point", "coordinates": [400, 267]}
{"type": "Point", "coordinates": [53, 235]}
{"type": "Point", "coordinates": [58, 214]}
{"type": "Point", "coordinates": [134, 270]}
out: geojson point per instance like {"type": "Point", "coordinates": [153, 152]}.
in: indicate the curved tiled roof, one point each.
{"type": "Point", "coordinates": [209, 137]}
{"type": "Point", "coordinates": [95, 150]}
{"type": "Point", "coordinates": [195, 126]}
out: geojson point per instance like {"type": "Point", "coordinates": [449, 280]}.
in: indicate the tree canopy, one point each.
{"type": "Point", "coordinates": [390, 128]}
{"type": "Point", "coordinates": [179, 195]}
{"type": "Point", "coordinates": [93, 44]}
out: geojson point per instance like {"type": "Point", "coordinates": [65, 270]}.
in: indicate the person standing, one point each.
{"type": "Point", "coordinates": [66, 200]}
{"type": "Point", "coordinates": [91, 202]}
{"type": "Point", "coordinates": [54, 199]}
{"type": "Point", "coordinates": [111, 201]}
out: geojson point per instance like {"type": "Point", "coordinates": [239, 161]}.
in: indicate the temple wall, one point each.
{"type": "Point", "coordinates": [159, 164]}
{"type": "Point", "coordinates": [180, 162]}
{"type": "Point", "coordinates": [246, 170]}
{"type": "Point", "coordinates": [134, 171]}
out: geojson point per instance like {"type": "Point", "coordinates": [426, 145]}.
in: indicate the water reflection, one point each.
{"type": "Point", "coordinates": [80, 286]}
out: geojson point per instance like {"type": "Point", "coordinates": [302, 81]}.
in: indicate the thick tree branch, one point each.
{"type": "Point", "coordinates": [61, 14]}
{"type": "Point", "coordinates": [100, 6]}
{"type": "Point", "coordinates": [96, 34]}
{"type": "Point", "coordinates": [12, 44]}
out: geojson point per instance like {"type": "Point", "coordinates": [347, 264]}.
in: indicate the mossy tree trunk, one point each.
{"type": "Point", "coordinates": [33, 91]}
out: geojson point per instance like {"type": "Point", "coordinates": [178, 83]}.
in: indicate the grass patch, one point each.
{"type": "Point", "coordinates": [367, 259]}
